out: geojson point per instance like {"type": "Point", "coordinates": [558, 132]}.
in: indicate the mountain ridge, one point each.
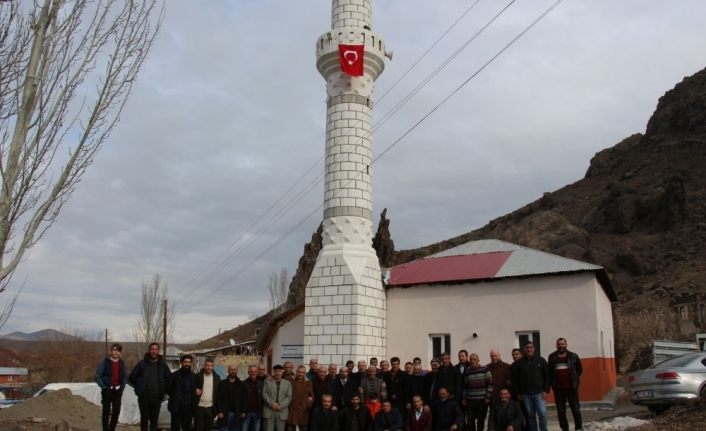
{"type": "Point", "coordinates": [43, 334]}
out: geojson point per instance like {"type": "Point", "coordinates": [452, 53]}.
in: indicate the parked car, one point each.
{"type": "Point", "coordinates": [672, 381]}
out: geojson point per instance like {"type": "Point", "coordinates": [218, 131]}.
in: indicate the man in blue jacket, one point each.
{"type": "Point", "coordinates": [149, 378]}
{"type": "Point", "coordinates": [111, 376]}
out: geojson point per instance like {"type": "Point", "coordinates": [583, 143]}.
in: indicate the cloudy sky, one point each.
{"type": "Point", "coordinates": [227, 120]}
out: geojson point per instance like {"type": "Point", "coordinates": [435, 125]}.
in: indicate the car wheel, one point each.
{"type": "Point", "coordinates": [657, 410]}
{"type": "Point", "coordinates": [702, 394]}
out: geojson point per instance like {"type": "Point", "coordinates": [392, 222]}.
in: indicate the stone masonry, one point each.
{"type": "Point", "coordinates": [344, 315]}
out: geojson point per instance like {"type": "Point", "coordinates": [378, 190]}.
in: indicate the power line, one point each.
{"type": "Point", "coordinates": [228, 256]}
{"type": "Point", "coordinates": [424, 54]}
{"type": "Point", "coordinates": [393, 144]}
{"type": "Point", "coordinates": [473, 75]}
{"type": "Point", "coordinates": [214, 266]}
{"type": "Point", "coordinates": [445, 63]}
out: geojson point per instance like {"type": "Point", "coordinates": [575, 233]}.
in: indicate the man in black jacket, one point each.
{"type": "Point", "coordinates": [531, 382]}
{"type": "Point", "coordinates": [253, 407]}
{"type": "Point", "coordinates": [564, 374]}
{"type": "Point", "coordinates": [397, 386]}
{"type": "Point", "coordinates": [206, 391]}
{"type": "Point", "coordinates": [324, 418]}
{"type": "Point", "coordinates": [447, 376]}
{"type": "Point", "coordinates": [343, 389]}
{"type": "Point", "coordinates": [416, 384]}
{"type": "Point", "coordinates": [505, 414]}
{"type": "Point", "coordinates": [446, 413]}
{"type": "Point", "coordinates": [322, 385]}
{"type": "Point", "coordinates": [389, 418]}
{"type": "Point", "coordinates": [356, 416]}
{"type": "Point", "coordinates": [462, 362]}
{"type": "Point", "coordinates": [149, 378]}
{"type": "Point", "coordinates": [431, 384]}
{"type": "Point", "coordinates": [360, 374]}
{"type": "Point", "coordinates": [182, 395]}
{"type": "Point", "coordinates": [231, 401]}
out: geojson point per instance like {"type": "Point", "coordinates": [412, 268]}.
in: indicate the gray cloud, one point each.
{"type": "Point", "coordinates": [229, 112]}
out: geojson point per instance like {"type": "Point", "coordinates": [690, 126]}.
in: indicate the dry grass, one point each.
{"type": "Point", "coordinates": [690, 417]}
{"type": "Point", "coordinates": [635, 330]}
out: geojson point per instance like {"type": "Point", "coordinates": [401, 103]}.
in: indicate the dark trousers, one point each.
{"type": "Point", "coordinates": [561, 396]}
{"type": "Point", "coordinates": [476, 410]}
{"type": "Point", "coordinates": [149, 412]}
{"type": "Point", "coordinates": [204, 418]}
{"type": "Point", "coordinates": [110, 399]}
{"type": "Point", "coordinates": [182, 418]}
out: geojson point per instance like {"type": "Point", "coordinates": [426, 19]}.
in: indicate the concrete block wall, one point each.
{"type": "Point", "coordinates": [344, 310]}
{"type": "Point", "coordinates": [345, 303]}
{"type": "Point", "coordinates": [351, 13]}
{"type": "Point", "coordinates": [348, 189]}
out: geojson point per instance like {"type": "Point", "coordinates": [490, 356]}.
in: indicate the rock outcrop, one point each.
{"type": "Point", "coordinates": [639, 211]}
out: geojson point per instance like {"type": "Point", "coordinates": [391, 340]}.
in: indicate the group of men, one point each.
{"type": "Point", "coordinates": [376, 397]}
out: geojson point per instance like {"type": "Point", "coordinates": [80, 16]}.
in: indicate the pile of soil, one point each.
{"type": "Point", "coordinates": [56, 410]}
{"type": "Point", "coordinates": [690, 417]}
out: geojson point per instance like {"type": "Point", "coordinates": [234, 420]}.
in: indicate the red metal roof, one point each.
{"type": "Point", "coordinates": [449, 268]}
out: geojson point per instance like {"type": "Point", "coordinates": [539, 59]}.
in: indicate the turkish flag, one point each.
{"type": "Point", "coordinates": [351, 59]}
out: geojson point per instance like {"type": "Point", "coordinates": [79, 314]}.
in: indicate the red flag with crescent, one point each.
{"type": "Point", "coordinates": [351, 59]}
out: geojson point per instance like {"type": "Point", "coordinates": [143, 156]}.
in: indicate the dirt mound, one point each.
{"type": "Point", "coordinates": [55, 410]}
{"type": "Point", "coordinates": [691, 417]}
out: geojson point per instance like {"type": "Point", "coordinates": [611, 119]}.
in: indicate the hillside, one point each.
{"type": "Point", "coordinates": [44, 334]}
{"type": "Point", "coordinates": [639, 211]}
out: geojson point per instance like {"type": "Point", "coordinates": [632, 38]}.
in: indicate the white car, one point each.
{"type": "Point", "coordinates": [673, 381]}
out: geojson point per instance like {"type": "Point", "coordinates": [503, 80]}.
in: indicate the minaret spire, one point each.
{"type": "Point", "coordinates": [345, 301]}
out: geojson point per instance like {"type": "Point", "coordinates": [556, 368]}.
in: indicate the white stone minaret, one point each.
{"type": "Point", "coordinates": [345, 299]}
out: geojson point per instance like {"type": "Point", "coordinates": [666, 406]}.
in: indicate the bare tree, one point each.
{"type": "Point", "coordinates": [69, 355]}
{"type": "Point", "coordinates": [278, 286]}
{"type": "Point", "coordinates": [150, 326]}
{"type": "Point", "coordinates": [67, 69]}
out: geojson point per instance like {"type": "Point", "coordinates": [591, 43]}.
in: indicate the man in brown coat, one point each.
{"type": "Point", "coordinates": [302, 400]}
{"type": "Point", "coordinates": [502, 379]}
{"type": "Point", "coordinates": [501, 372]}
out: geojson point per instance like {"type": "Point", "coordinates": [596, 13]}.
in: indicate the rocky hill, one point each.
{"type": "Point", "coordinates": [639, 211]}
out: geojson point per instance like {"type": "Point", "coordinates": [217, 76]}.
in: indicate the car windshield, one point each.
{"type": "Point", "coordinates": [679, 361]}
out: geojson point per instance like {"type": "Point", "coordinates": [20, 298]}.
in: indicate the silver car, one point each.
{"type": "Point", "coordinates": [672, 381]}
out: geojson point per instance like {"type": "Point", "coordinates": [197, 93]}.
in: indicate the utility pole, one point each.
{"type": "Point", "coordinates": [164, 329]}
{"type": "Point", "coordinates": [106, 341]}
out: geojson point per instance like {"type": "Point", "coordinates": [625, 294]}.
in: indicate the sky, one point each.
{"type": "Point", "coordinates": [227, 119]}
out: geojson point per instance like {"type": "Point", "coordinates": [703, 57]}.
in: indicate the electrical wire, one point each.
{"type": "Point", "coordinates": [229, 255]}
{"type": "Point", "coordinates": [424, 54]}
{"type": "Point", "coordinates": [389, 147]}
{"type": "Point", "coordinates": [226, 256]}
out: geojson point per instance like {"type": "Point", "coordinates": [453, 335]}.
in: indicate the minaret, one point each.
{"type": "Point", "coordinates": [345, 300]}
